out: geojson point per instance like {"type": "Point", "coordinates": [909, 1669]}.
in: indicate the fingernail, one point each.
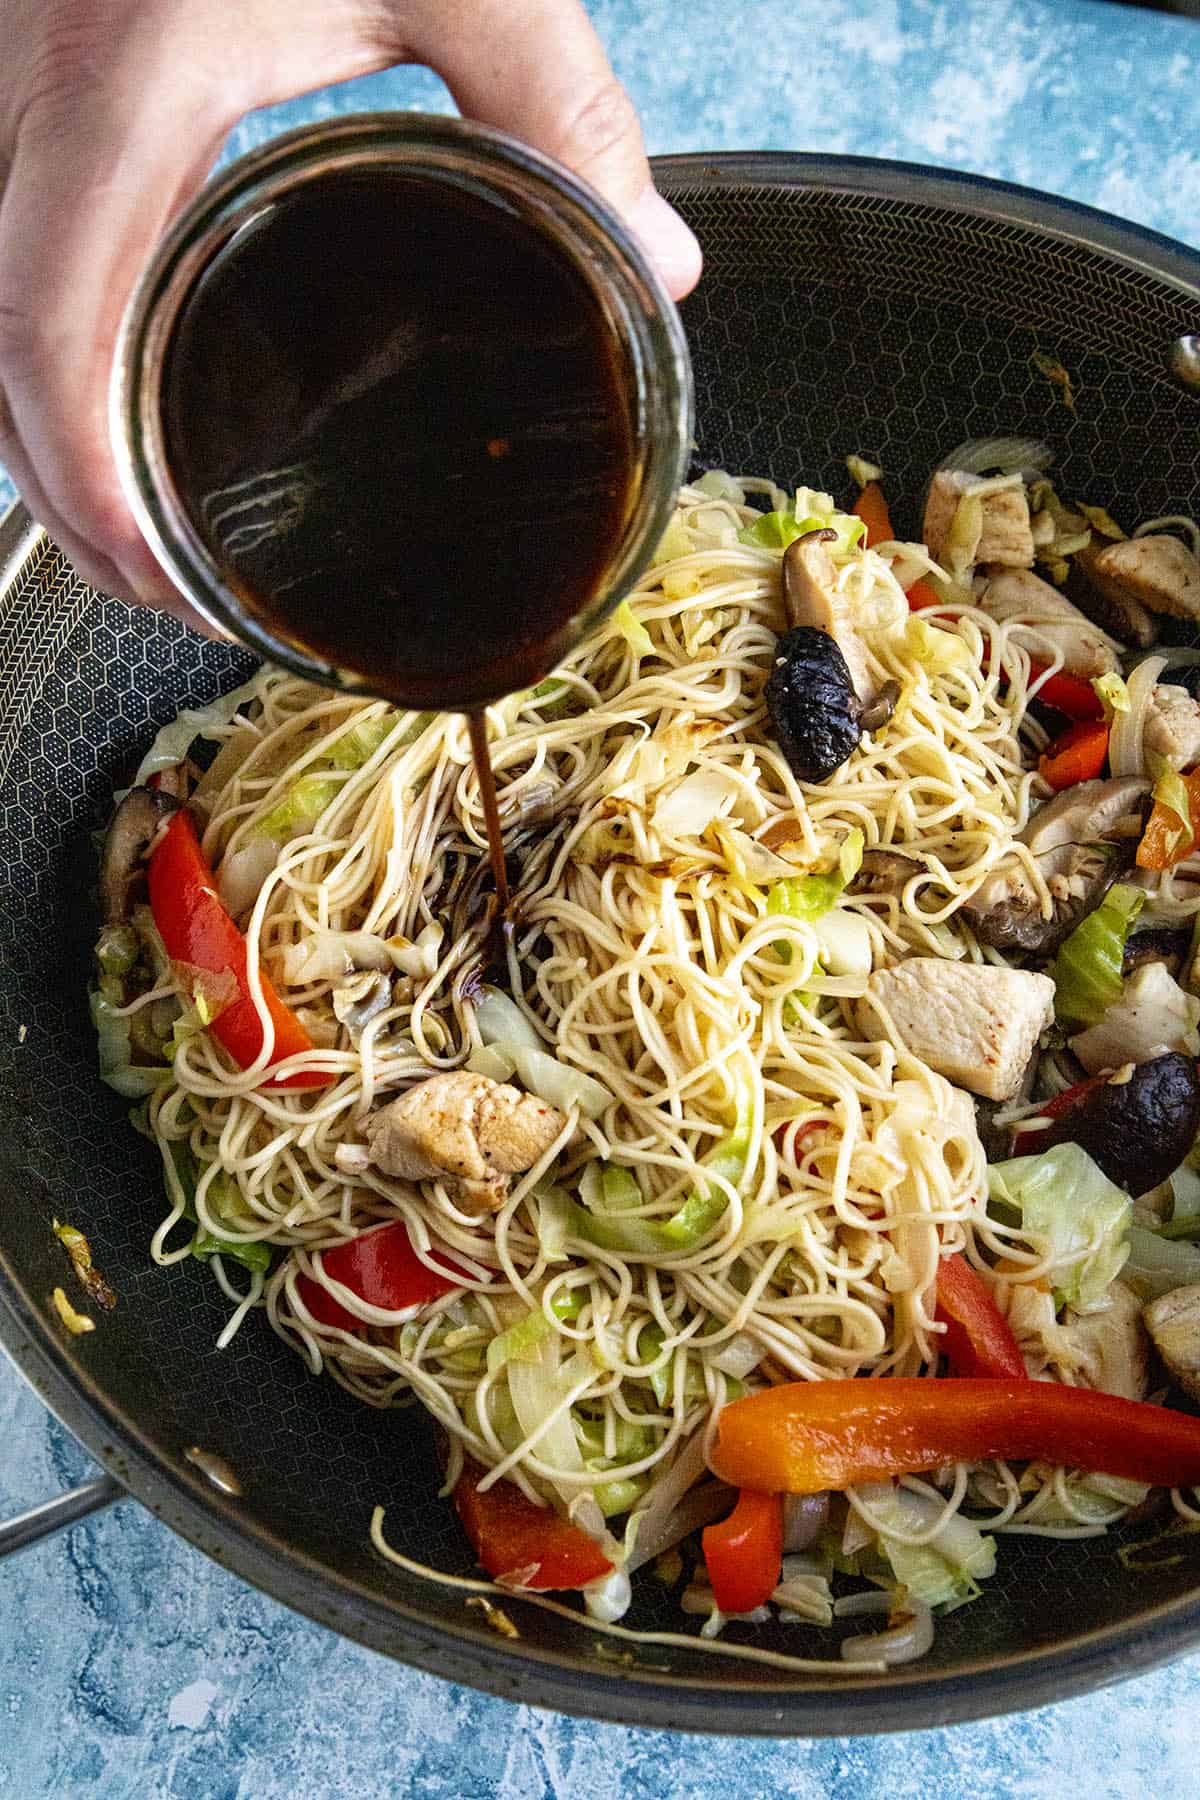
{"type": "Point", "coordinates": [670, 242]}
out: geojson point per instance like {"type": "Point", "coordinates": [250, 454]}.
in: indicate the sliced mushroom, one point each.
{"type": "Point", "coordinates": [134, 826]}
{"type": "Point", "coordinates": [1082, 841]}
{"type": "Point", "coordinates": [1173, 1321]}
{"type": "Point", "coordinates": [1137, 1130]}
{"type": "Point", "coordinates": [884, 872]}
{"type": "Point", "coordinates": [814, 710]}
{"type": "Point", "coordinates": [1156, 571]}
{"type": "Point", "coordinates": [811, 597]}
{"type": "Point", "coordinates": [1167, 944]}
{"type": "Point", "coordinates": [819, 692]}
{"type": "Point", "coordinates": [1109, 603]}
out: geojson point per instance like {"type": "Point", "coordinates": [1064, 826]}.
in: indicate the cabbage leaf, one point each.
{"type": "Point", "coordinates": [1062, 1198]}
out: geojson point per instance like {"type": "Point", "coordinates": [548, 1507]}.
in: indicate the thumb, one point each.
{"type": "Point", "coordinates": [537, 69]}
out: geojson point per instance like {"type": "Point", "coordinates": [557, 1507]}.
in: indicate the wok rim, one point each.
{"type": "Point", "coordinates": [468, 1653]}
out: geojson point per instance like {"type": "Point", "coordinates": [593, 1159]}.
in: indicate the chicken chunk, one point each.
{"type": "Point", "coordinates": [1152, 1016]}
{"type": "Point", "coordinates": [1172, 727]}
{"type": "Point", "coordinates": [1005, 535]}
{"type": "Point", "coordinates": [1108, 1349]}
{"type": "Point", "coordinates": [464, 1129]}
{"type": "Point", "coordinates": [811, 596]}
{"type": "Point", "coordinates": [1053, 623]}
{"type": "Point", "coordinates": [1173, 1321]}
{"type": "Point", "coordinates": [975, 1024]}
{"type": "Point", "coordinates": [1109, 603]}
{"type": "Point", "coordinates": [1157, 571]}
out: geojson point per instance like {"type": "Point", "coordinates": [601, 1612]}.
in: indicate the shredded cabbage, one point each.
{"type": "Point", "coordinates": [556, 1084]}
{"type": "Point", "coordinates": [1170, 791]}
{"type": "Point", "coordinates": [809, 896]}
{"type": "Point", "coordinates": [962, 539]}
{"type": "Point", "coordinates": [935, 648]}
{"type": "Point", "coordinates": [695, 1218]}
{"type": "Point", "coordinates": [1158, 1264]}
{"type": "Point", "coordinates": [632, 630]}
{"type": "Point", "coordinates": [500, 1020]}
{"type": "Point", "coordinates": [222, 1198]}
{"type": "Point", "coordinates": [300, 807]}
{"type": "Point", "coordinates": [844, 940]}
{"type": "Point", "coordinates": [674, 542]}
{"type": "Point", "coordinates": [1087, 969]}
{"type": "Point", "coordinates": [863, 472]}
{"type": "Point", "coordinates": [946, 1571]}
{"type": "Point", "coordinates": [1063, 1199]}
{"type": "Point", "coordinates": [520, 1343]}
{"type": "Point", "coordinates": [538, 1387]}
{"type": "Point", "coordinates": [608, 1188]}
{"type": "Point", "coordinates": [720, 485]}
{"type": "Point", "coordinates": [810, 511]}
{"type": "Point", "coordinates": [691, 806]}
{"type": "Point", "coordinates": [1112, 693]}
{"type": "Point", "coordinates": [174, 740]}
{"type": "Point", "coordinates": [115, 1053]}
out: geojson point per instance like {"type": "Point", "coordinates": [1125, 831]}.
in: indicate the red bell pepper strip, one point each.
{"type": "Point", "coordinates": [806, 1436]}
{"type": "Point", "coordinates": [872, 508]}
{"type": "Point", "coordinates": [382, 1268]}
{"type": "Point", "coordinates": [511, 1536]}
{"type": "Point", "coordinates": [195, 928]}
{"type": "Point", "coordinates": [1067, 694]}
{"type": "Point", "coordinates": [744, 1553]}
{"type": "Point", "coordinates": [978, 1339]}
{"type": "Point", "coordinates": [1078, 755]}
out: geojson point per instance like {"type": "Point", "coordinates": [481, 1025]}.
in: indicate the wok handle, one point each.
{"type": "Point", "coordinates": [55, 1515]}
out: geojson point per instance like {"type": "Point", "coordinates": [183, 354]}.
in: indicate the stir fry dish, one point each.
{"type": "Point", "coordinates": [801, 1192]}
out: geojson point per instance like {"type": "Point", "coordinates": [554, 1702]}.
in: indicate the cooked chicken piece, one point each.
{"type": "Point", "coordinates": [1172, 726]}
{"type": "Point", "coordinates": [467, 1130]}
{"type": "Point", "coordinates": [1054, 624]}
{"type": "Point", "coordinates": [975, 1024]}
{"type": "Point", "coordinates": [1152, 1016]}
{"type": "Point", "coordinates": [1173, 1321]}
{"type": "Point", "coordinates": [811, 597]}
{"type": "Point", "coordinates": [1157, 571]}
{"type": "Point", "coordinates": [1108, 1350]}
{"type": "Point", "coordinates": [1109, 603]}
{"type": "Point", "coordinates": [1004, 537]}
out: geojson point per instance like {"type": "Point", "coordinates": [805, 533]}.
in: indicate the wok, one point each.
{"type": "Point", "coordinates": [847, 306]}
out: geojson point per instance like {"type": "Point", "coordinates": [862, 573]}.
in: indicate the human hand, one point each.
{"type": "Point", "coordinates": [112, 112]}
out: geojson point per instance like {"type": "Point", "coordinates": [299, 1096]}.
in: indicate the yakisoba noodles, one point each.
{"type": "Point", "coordinates": [649, 815]}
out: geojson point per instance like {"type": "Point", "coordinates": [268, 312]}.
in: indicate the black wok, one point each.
{"type": "Point", "coordinates": [847, 305]}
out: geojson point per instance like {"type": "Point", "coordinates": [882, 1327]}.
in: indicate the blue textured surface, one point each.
{"type": "Point", "coordinates": [130, 1666]}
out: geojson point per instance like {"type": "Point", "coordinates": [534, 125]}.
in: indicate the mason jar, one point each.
{"type": "Point", "coordinates": [302, 516]}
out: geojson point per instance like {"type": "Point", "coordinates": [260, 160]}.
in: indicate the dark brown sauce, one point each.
{"type": "Point", "coordinates": [398, 418]}
{"type": "Point", "coordinates": [477, 726]}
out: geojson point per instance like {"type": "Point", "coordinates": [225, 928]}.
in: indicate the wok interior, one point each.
{"type": "Point", "coordinates": [826, 323]}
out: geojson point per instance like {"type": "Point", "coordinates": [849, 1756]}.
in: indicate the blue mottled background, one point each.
{"type": "Point", "coordinates": [130, 1666]}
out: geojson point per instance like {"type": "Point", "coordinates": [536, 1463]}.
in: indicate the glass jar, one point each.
{"type": "Point", "coordinates": [650, 363]}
